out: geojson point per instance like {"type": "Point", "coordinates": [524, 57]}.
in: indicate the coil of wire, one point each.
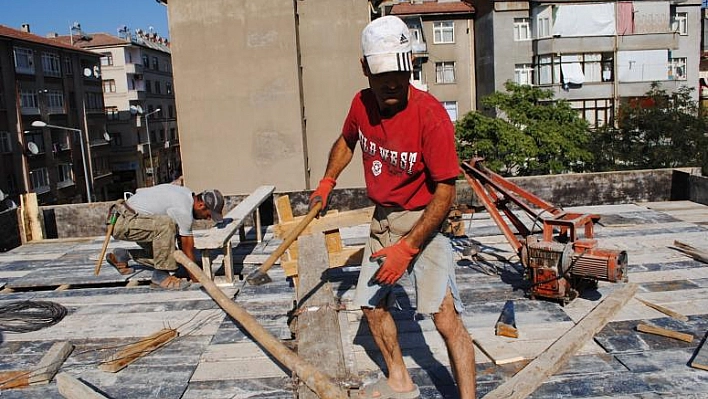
{"type": "Point", "coordinates": [26, 316]}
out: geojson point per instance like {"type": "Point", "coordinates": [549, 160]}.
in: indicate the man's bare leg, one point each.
{"type": "Point", "coordinates": [383, 330]}
{"type": "Point", "coordinates": [460, 348]}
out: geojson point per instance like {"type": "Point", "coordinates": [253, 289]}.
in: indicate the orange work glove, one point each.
{"type": "Point", "coordinates": [394, 261]}
{"type": "Point", "coordinates": [322, 194]}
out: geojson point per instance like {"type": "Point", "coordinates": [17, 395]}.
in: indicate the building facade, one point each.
{"type": "Point", "coordinates": [138, 91]}
{"type": "Point", "coordinates": [443, 46]}
{"type": "Point", "coordinates": [45, 82]}
{"type": "Point", "coordinates": [593, 54]}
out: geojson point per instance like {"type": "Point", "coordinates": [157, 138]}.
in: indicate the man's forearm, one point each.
{"type": "Point", "coordinates": [339, 157]}
{"type": "Point", "coordinates": [433, 215]}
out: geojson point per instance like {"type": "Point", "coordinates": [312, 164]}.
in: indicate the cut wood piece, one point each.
{"type": "Point", "coordinates": [506, 325]}
{"type": "Point", "coordinates": [700, 357]}
{"type": "Point", "coordinates": [72, 388]}
{"type": "Point", "coordinates": [347, 256]}
{"type": "Point", "coordinates": [695, 253]}
{"type": "Point", "coordinates": [133, 352]}
{"type": "Point", "coordinates": [500, 356]}
{"type": "Point", "coordinates": [283, 209]}
{"type": "Point", "coordinates": [666, 311]}
{"type": "Point", "coordinates": [535, 373]}
{"type": "Point", "coordinates": [30, 217]}
{"type": "Point", "coordinates": [645, 328]}
{"type": "Point", "coordinates": [50, 363]}
{"type": "Point", "coordinates": [14, 379]}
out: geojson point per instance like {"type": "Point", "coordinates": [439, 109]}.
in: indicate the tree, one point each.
{"type": "Point", "coordinates": [534, 135]}
{"type": "Point", "coordinates": [662, 130]}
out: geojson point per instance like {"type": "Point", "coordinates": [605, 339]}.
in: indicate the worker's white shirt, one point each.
{"type": "Point", "coordinates": [166, 199]}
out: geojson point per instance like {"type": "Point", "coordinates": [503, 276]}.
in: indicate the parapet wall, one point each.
{"type": "Point", "coordinates": [581, 189]}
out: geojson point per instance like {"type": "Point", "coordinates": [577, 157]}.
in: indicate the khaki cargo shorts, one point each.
{"type": "Point", "coordinates": [431, 272]}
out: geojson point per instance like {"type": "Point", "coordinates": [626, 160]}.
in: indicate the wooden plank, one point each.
{"type": "Point", "coordinates": [700, 357]}
{"type": "Point", "coordinates": [666, 311]}
{"type": "Point", "coordinates": [14, 379]}
{"type": "Point", "coordinates": [137, 350]}
{"type": "Point", "coordinates": [50, 363]}
{"type": "Point", "coordinates": [318, 330]}
{"type": "Point", "coordinates": [331, 221]}
{"type": "Point", "coordinates": [283, 209]}
{"type": "Point", "coordinates": [72, 388]}
{"type": "Point", "coordinates": [506, 324]}
{"type": "Point", "coordinates": [646, 328]}
{"type": "Point", "coordinates": [30, 217]}
{"type": "Point", "coordinates": [535, 373]}
{"type": "Point", "coordinates": [348, 256]}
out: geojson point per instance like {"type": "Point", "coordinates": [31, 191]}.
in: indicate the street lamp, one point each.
{"type": "Point", "coordinates": [147, 127]}
{"type": "Point", "coordinates": [83, 152]}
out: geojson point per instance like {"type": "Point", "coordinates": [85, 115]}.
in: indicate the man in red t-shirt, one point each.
{"type": "Point", "coordinates": [410, 168]}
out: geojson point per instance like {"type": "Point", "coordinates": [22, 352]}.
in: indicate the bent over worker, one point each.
{"type": "Point", "coordinates": [155, 217]}
{"type": "Point", "coordinates": [410, 168]}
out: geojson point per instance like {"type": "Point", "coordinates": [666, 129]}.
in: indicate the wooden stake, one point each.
{"type": "Point", "coordinates": [645, 328]}
{"type": "Point", "coordinates": [666, 311]}
{"type": "Point", "coordinates": [137, 350]}
{"type": "Point", "coordinates": [50, 363]}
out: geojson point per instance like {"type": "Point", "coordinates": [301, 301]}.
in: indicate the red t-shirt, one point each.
{"type": "Point", "coordinates": [404, 155]}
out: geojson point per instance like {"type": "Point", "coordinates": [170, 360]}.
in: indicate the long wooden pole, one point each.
{"type": "Point", "coordinates": [319, 382]}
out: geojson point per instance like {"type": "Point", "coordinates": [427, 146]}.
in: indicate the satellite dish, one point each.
{"type": "Point", "coordinates": [96, 71]}
{"type": "Point", "coordinates": [32, 147]}
{"type": "Point", "coordinates": [139, 108]}
{"type": "Point", "coordinates": [133, 110]}
{"type": "Point", "coordinates": [88, 72]}
{"type": "Point", "coordinates": [106, 136]}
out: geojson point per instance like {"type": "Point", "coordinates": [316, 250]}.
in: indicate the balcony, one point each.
{"type": "Point", "coordinates": [136, 95]}
{"type": "Point", "coordinates": [135, 69]}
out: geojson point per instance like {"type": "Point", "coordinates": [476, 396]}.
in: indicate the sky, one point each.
{"type": "Point", "coordinates": [106, 16]}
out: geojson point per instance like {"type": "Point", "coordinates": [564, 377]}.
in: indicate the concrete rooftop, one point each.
{"type": "Point", "coordinates": [214, 358]}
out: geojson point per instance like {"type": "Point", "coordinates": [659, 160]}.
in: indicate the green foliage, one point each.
{"type": "Point", "coordinates": [661, 130]}
{"type": "Point", "coordinates": [534, 135]}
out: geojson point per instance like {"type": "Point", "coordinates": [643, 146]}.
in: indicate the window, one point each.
{"type": "Point", "coordinates": [168, 87]}
{"type": "Point", "coordinates": [148, 86]}
{"type": "Point", "coordinates": [158, 88]}
{"type": "Point", "coordinates": [597, 112]}
{"type": "Point", "coordinates": [680, 23]}
{"type": "Point", "coordinates": [112, 113]}
{"type": "Point", "coordinates": [107, 59]}
{"type": "Point", "coordinates": [68, 66]}
{"type": "Point", "coordinates": [94, 102]}
{"type": "Point", "coordinates": [443, 32]}
{"type": "Point", "coordinates": [155, 63]}
{"type": "Point", "coordinates": [28, 101]}
{"type": "Point", "coordinates": [171, 111]}
{"type": "Point", "coordinates": [109, 86]}
{"type": "Point", "coordinates": [522, 29]}
{"type": "Point", "coordinates": [66, 175]}
{"type": "Point", "coordinates": [24, 62]}
{"type": "Point", "coordinates": [548, 69]}
{"type": "Point", "coordinates": [39, 180]}
{"type": "Point", "coordinates": [5, 142]}
{"type": "Point", "coordinates": [677, 69]}
{"type": "Point", "coordinates": [444, 72]}
{"type": "Point", "coordinates": [55, 101]}
{"type": "Point", "coordinates": [451, 108]}
{"type": "Point", "coordinates": [523, 74]}
{"type": "Point", "coordinates": [146, 61]}
{"type": "Point", "coordinates": [51, 64]}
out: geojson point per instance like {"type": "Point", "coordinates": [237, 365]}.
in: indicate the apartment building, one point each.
{"type": "Point", "coordinates": [443, 49]}
{"type": "Point", "coordinates": [139, 96]}
{"type": "Point", "coordinates": [52, 123]}
{"type": "Point", "coordinates": [593, 54]}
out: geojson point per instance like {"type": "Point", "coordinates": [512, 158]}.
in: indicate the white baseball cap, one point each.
{"type": "Point", "coordinates": [386, 44]}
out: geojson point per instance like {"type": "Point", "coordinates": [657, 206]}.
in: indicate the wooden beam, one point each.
{"type": "Point", "coordinates": [695, 253]}
{"type": "Point", "coordinates": [546, 364]}
{"type": "Point", "coordinates": [133, 352]}
{"type": "Point", "coordinates": [50, 363]}
{"type": "Point", "coordinates": [14, 379]}
{"type": "Point", "coordinates": [331, 221]}
{"type": "Point", "coordinates": [30, 216]}
{"type": "Point", "coordinates": [646, 328]}
{"type": "Point", "coordinates": [71, 387]}
{"type": "Point", "coordinates": [347, 256]}
{"type": "Point", "coordinates": [318, 330]}
{"type": "Point", "coordinates": [666, 311]}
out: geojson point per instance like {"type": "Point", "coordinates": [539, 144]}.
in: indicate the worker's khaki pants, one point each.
{"type": "Point", "coordinates": [156, 232]}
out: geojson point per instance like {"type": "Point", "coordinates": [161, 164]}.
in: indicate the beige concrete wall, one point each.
{"type": "Point", "coordinates": [330, 35]}
{"type": "Point", "coordinates": [238, 90]}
